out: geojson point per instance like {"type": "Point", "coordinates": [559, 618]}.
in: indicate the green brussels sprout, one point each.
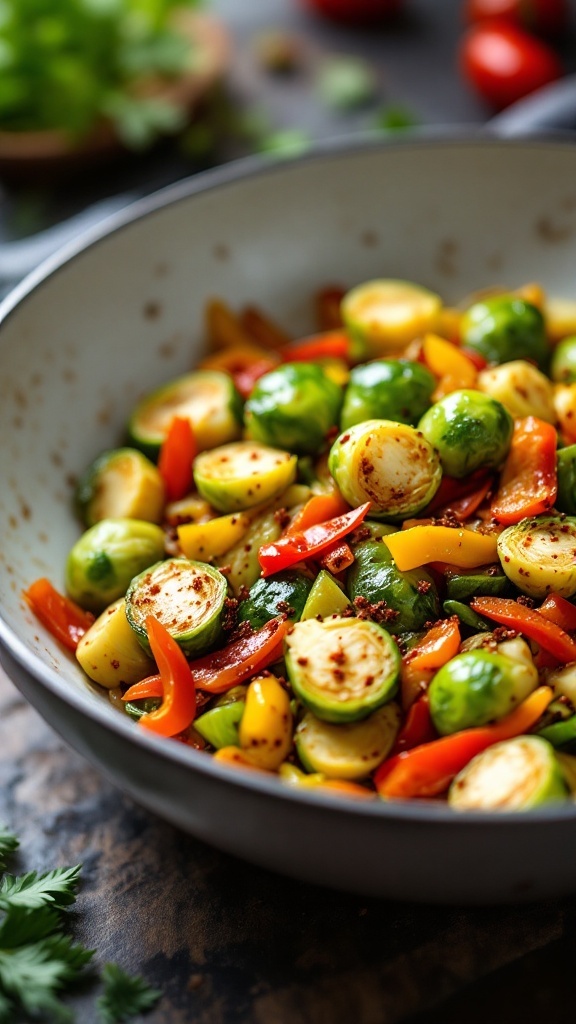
{"type": "Point", "coordinates": [243, 474]}
{"type": "Point", "coordinates": [348, 751]}
{"type": "Point", "coordinates": [107, 556]}
{"type": "Point", "coordinates": [284, 592]}
{"type": "Point", "coordinates": [411, 597]}
{"type": "Point", "coordinates": [477, 687]}
{"type": "Point", "coordinates": [387, 389]}
{"type": "Point", "coordinates": [566, 471]}
{"type": "Point", "coordinates": [382, 316]}
{"type": "Point", "coordinates": [295, 407]}
{"type": "Point", "coordinates": [506, 327]}
{"type": "Point", "coordinates": [187, 597]}
{"type": "Point", "coordinates": [122, 483]}
{"type": "Point", "coordinates": [468, 429]}
{"type": "Point", "coordinates": [342, 669]}
{"type": "Point", "coordinates": [537, 555]}
{"type": "Point", "coordinates": [389, 464]}
{"type": "Point", "coordinates": [563, 362]}
{"type": "Point", "coordinates": [514, 775]}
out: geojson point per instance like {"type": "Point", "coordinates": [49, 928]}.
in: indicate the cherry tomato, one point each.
{"type": "Point", "coordinates": [358, 11]}
{"type": "Point", "coordinates": [546, 17]}
{"type": "Point", "coordinates": [504, 63]}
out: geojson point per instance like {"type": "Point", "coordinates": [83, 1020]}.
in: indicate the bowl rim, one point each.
{"type": "Point", "coordinates": [419, 812]}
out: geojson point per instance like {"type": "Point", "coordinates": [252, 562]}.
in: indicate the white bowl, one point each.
{"type": "Point", "coordinates": [122, 311]}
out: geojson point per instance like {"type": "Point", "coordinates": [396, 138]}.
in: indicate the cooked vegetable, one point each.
{"type": "Point", "coordinates": [382, 316]}
{"type": "Point", "coordinates": [478, 687]}
{"type": "Point", "coordinates": [560, 611]}
{"type": "Point", "coordinates": [178, 707]}
{"type": "Point", "coordinates": [207, 398]}
{"type": "Point", "coordinates": [466, 616]}
{"type": "Point", "coordinates": [294, 407]}
{"type": "Point", "coordinates": [537, 555]}
{"type": "Point", "coordinates": [349, 751]}
{"type": "Point", "coordinates": [505, 327]}
{"type": "Point", "coordinates": [266, 726]}
{"type": "Point", "coordinates": [411, 598]}
{"type": "Point", "coordinates": [210, 540]}
{"type": "Point", "coordinates": [285, 593]}
{"type": "Point", "coordinates": [530, 622]}
{"type": "Point", "coordinates": [469, 430]}
{"type": "Point", "coordinates": [461, 585]}
{"type": "Point", "coordinates": [326, 598]}
{"type": "Point", "coordinates": [186, 597]}
{"type": "Point", "coordinates": [175, 459]}
{"type": "Point", "coordinates": [388, 464]}
{"type": "Point", "coordinates": [228, 666]}
{"type": "Point", "coordinates": [121, 483]}
{"type": "Point", "coordinates": [107, 556]}
{"type": "Point", "coordinates": [110, 653]}
{"type": "Point", "coordinates": [562, 734]}
{"type": "Point", "coordinates": [63, 618]}
{"type": "Point", "coordinates": [342, 669]}
{"type": "Point", "coordinates": [243, 474]}
{"type": "Point", "coordinates": [219, 725]}
{"type": "Point", "coordinates": [314, 541]}
{"type": "Point", "coordinates": [563, 362]}
{"type": "Point", "coordinates": [563, 682]}
{"type": "Point", "coordinates": [387, 389]}
{"type": "Point", "coordinates": [453, 368]}
{"type": "Point", "coordinates": [514, 775]}
{"type": "Point", "coordinates": [528, 482]}
{"type": "Point", "coordinates": [421, 544]}
{"type": "Point", "coordinates": [566, 473]}
{"type": "Point", "coordinates": [565, 404]}
{"type": "Point", "coordinates": [521, 387]}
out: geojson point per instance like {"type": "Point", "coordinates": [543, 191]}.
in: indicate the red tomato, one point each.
{"type": "Point", "coordinates": [359, 11]}
{"type": "Point", "coordinates": [504, 63]}
{"type": "Point", "coordinates": [548, 17]}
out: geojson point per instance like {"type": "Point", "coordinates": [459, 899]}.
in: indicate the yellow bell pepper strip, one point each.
{"type": "Point", "coordinates": [236, 758]}
{"type": "Point", "coordinates": [528, 482]}
{"type": "Point", "coordinates": [63, 618]}
{"type": "Point", "coordinates": [265, 731]}
{"type": "Point", "coordinates": [241, 659]}
{"type": "Point", "coordinates": [205, 541]}
{"type": "Point", "coordinates": [428, 770]}
{"type": "Point", "coordinates": [421, 544]}
{"type": "Point", "coordinates": [298, 779]}
{"type": "Point", "coordinates": [309, 543]}
{"type": "Point", "coordinates": [449, 364]}
{"type": "Point", "coordinates": [175, 460]}
{"type": "Point", "coordinates": [530, 622]}
{"type": "Point", "coordinates": [264, 330]}
{"type": "Point", "coordinates": [560, 611]}
{"type": "Point", "coordinates": [329, 345]}
{"type": "Point", "coordinates": [317, 509]}
{"type": "Point", "coordinates": [178, 707]}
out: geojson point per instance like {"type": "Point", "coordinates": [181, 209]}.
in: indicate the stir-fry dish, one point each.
{"type": "Point", "coordinates": [349, 559]}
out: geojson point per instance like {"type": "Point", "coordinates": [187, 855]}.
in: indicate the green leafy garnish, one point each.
{"type": "Point", "coordinates": [285, 142]}
{"type": "Point", "coordinates": [124, 995]}
{"type": "Point", "coordinates": [347, 82]}
{"type": "Point", "coordinates": [8, 843]}
{"type": "Point", "coordinates": [394, 119]}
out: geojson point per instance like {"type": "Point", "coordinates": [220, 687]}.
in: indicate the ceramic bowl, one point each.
{"type": "Point", "coordinates": [120, 312]}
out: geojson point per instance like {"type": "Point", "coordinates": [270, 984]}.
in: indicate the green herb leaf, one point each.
{"type": "Point", "coordinates": [393, 119]}
{"type": "Point", "coordinates": [286, 142]}
{"type": "Point", "coordinates": [347, 82]}
{"type": "Point", "coordinates": [8, 843]}
{"type": "Point", "coordinates": [124, 995]}
{"type": "Point", "coordinates": [33, 890]}
{"type": "Point", "coordinates": [33, 974]}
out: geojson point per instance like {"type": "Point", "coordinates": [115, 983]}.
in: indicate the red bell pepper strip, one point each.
{"type": "Point", "coordinates": [63, 618]}
{"type": "Point", "coordinates": [241, 659]}
{"type": "Point", "coordinates": [560, 611]}
{"type": "Point", "coordinates": [337, 558]}
{"type": "Point", "coordinates": [178, 707]}
{"type": "Point", "coordinates": [309, 543]}
{"type": "Point", "coordinates": [176, 457]}
{"type": "Point", "coordinates": [460, 497]}
{"type": "Point", "coordinates": [532, 623]}
{"type": "Point", "coordinates": [428, 770]}
{"type": "Point", "coordinates": [328, 345]}
{"type": "Point", "coordinates": [528, 482]}
{"type": "Point", "coordinates": [417, 728]}
{"type": "Point", "coordinates": [317, 509]}
{"type": "Point", "coordinates": [245, 377]}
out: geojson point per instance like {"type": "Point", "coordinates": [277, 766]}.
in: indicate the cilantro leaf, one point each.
{"type": "Point", "coordinates": [33, 890]}
{"type": "Point", "coordinates": [33, 974]}
{"type": "Point", "coordinates": [21, 925]}
{"type": "Point", "coordinates": [124, 995]}
{"type": "Point", "coordinates": [8, 843]}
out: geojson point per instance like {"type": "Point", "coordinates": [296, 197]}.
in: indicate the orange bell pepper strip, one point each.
{"type": "Point", "coordinates": [317, 509]}
{"type": "Point", "coordinates": [63, 618]}
{"type": "Point", "coordinates": [241, 659]}
{"type": "Point", "coordinates": [530, 622]}
{"type": "Point", "coordinates": [428, 770]}
{"type": "Point", "coordinates": [560, 611]}
{"type": "Point", "coordinates": [309, 543]}
{"type": "Point", "coordinates": [328, 345]}
{"type": "Point", "coordinates": [417, 728]}
{"type": "Point", "coordinates": [264, 330]}
{"type": "Point", "coordinates": [151, 686]}
{"type": "Point", "coordinates": [460, 497]}
{"type": "Point", "coordinates": [421, 544]}
{"type": "Point", "coordinates": [449, 363]}
{"type": "Point", "coordinates": [343, 787]}
{"type": "Point", "coordinates": [528, 482]}
{"type": "Point", "coordinates": [177, 454]}
{"type": "Point", "coordinates": [436, 647]}
{"type": "Point", "coordinates": [178, 707]}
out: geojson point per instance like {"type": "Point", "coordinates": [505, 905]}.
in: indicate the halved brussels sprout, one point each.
{"type": "Point", "coordinates": [110, 653]}
{"type": "Point", "coordinates": [387, 389]}
{"type": "Point", "coordinates": [243, 474]}
{"type": "Point", "coordinates": [389, 464]}
{"type": "Point", "coordinates": [107, 556]}
{"type": "Point", "coordinates": [505, 327]}
{"type": "Point", "coordinates": [186, 597]}
{"type": "Point", "coordinates": [563, 362]}
{"type": "Point", "coordinates": [326, 598]}
{"type": "Point", "coordinates": [382, 316]}
{"type": "Point", "coordinates": [207, 398]}
{"type": "Point", "coordinates": [349, 751]}
{"type": "Point", "coordinates": [411, 595]}
{"type": "Point", "coordinates": [342, 669]}
{"type": "Point", "coordinates": [294, 406]}
{"type": "Point", "coordinates": [468, 430]}
{"type": "Point", "coordinates": [219, 725]}
{"type": "Point", "coordinates": [523, 389]}
{"type": "Point", "coordinates": [122, 483]}
{"type": "Point", "coordinates": [283, 593]}
{"type": "Point", "coordinates": [515, 775]}
{"type": "Point", "coordinates": [566, 472]}
{"type": "Point", "coordinates": [537, 555]}
{"type": "Point", "coordinates": [476, 687]}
